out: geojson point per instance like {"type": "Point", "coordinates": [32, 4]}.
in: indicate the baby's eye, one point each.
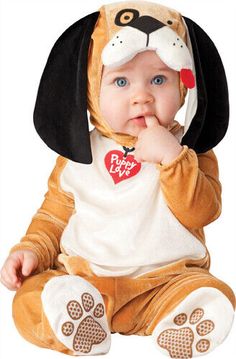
{"type": "Point", "coordinates": [158, 80]}
{"type": "Point", "coordinates": [121, 82]}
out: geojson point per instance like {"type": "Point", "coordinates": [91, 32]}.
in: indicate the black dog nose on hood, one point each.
{"type": "Point", "coordinates": [147, 24]}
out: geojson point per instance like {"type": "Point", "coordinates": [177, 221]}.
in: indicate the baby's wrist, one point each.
{"type": "Point", "coordinates": [172, 155]}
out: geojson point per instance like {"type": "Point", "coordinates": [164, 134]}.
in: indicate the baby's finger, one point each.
{"type": "Point", "coordinates": [7, 281]}
{"type": "Point", "coordinates": [10, 286]}
{"type": "Point", "coordinates": [28, 266]}
{"type": "Point", "coordinates": [14, 269]}
{"type": "Point", "coordinates": [137, 147]}
{"type": "Point", "coordinates": [11, 269]}
{"type": "Point", "coordinates": [151, 121]}
{"type": "Point", "coordinates": [138, 157]}
{"type": "Point", "coordinates": [12, 276]}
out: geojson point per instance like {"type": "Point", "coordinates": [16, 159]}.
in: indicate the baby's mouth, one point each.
{"type": "Point", "coordinates": [140, 121]}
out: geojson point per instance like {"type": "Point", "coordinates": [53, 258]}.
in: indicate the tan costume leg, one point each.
{"type": "Point", "coordinates": [187, 311]}
{"type": "Point", "coordinates": [62, 312]}
{"type": "Point", "coordinates": [132, 306]}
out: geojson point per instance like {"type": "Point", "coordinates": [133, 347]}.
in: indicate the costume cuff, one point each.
{"type": "Point", "coordinates": [180, 157]}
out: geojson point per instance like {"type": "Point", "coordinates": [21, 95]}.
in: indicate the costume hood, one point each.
{"type": "Point", "coordinates": [70, 83]}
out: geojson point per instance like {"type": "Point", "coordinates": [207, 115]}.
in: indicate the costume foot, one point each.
{"type": "Point", "coordinates": [89, 331]}
{"type": "Point", "coordinates": [196, 326]}
{"type": "Point", "coordinates": [79, 321]}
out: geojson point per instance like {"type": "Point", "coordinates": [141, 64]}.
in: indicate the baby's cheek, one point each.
{"type": "Point", "coordinates": [172, 106]}
{"type": "Point", "coordinates": [104, 104]}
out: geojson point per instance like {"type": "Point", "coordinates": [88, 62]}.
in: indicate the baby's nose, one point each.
{"type": "Point", "coordinates": [142, 97]}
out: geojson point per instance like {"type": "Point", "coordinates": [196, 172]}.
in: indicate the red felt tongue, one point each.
{"type": "Point", "coordinates": [187, 77]}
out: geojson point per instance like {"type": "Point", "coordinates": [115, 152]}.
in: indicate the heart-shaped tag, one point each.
{"type": "Point", "coordinates": [120, 167]}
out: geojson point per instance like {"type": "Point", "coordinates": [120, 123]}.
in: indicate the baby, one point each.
{"type": "Point", "coordinates": [145, 98]}
{"type": "Point", "coordinates": [118, 244]}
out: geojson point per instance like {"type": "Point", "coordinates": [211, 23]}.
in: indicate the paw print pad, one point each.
{"type": "Point", "coordinates": [179, 342]}
{"type": "Point", "coordinates": [74, 310]}
{"type": "Point", "coordinates": [87, 331]}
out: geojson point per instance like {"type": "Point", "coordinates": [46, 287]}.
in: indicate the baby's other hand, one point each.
{"type": "Point", "coordinates": [18, 265]}
{"type": "Point", "coordinates": [156, 144]}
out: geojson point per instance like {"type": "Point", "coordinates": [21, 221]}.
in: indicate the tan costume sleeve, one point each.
{"type": "Point", "coordinates": [191, 187]}
{"type": "Point", "coordinates": [44, 233]}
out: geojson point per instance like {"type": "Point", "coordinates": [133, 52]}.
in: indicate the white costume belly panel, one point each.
{"type": "Point", "coordinates": [121, 228]}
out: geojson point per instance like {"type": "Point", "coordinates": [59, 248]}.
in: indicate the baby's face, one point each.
{"type": "Point", "coordinates": [143, 86]}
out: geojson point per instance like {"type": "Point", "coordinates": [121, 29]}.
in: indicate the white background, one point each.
{"type": "Point", "coordinates": [29, 28]}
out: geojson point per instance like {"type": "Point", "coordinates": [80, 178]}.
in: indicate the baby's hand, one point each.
{"type": "Point", "coordinates": [18, 265]}
{"type": "Point", "coordinates": [156, 144]}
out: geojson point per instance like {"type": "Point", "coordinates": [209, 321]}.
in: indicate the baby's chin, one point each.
{"type": "Point", "coordinates": [133, 133]}
{"type": "Point", "coordinates": [134, 128]}
{"type": "Point", "coordinates": [127, 133]}
{"type": "Point", "coordinates": [131, 130]}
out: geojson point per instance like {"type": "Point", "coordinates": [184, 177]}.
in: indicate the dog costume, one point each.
{"type": "Point", "coordinates": [120, 244]}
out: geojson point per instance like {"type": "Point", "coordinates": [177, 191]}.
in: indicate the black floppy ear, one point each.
{"type": "Point", "coordinates": [210, 122]}
{"type": "Point", "coordinates": [60, 114]}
